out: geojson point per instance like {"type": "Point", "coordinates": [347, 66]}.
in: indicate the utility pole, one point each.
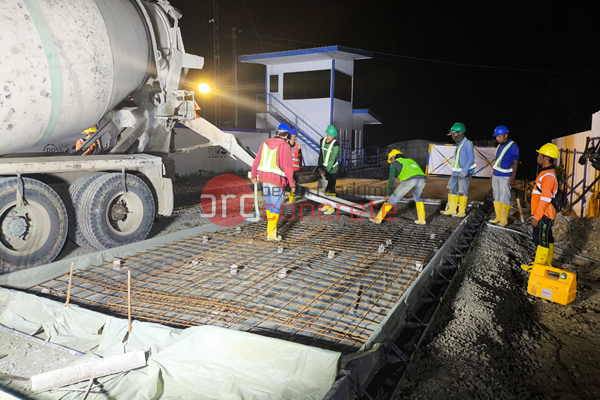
{"type": "Point", "coordinates": [217, 61]}
{"type": "Point", "coordinates": [235, 82]}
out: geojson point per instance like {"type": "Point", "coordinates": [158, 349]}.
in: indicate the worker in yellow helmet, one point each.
{"type": "Point", "coordinates": [411, 177]}
{"type": "Point", "coordinates": [544, 213]}
{"type": "Point", "coordinates": [94, 148]}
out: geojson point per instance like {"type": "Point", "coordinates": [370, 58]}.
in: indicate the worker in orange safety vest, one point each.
{"type": "Point", "coordinates": [544, 213]}
{"type": "Point", "coordinates": [296, 160]}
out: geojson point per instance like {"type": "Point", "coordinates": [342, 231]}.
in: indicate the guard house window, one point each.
{"type": "Point", "coordinates": [342, 86]}
{"type": "Point", "coordinates": [307, 85]}
{"type": "Point", "coordinates": [274, 83]}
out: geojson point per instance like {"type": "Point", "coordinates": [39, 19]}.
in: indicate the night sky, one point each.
{"type": "Point", "coordinates": [531, 68]}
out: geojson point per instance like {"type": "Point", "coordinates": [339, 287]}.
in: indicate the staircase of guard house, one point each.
{"type": "Point", "coordinates": [284, 114]}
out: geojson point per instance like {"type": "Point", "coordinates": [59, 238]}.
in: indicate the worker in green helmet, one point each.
{"type": "Point", "coordinates": [328, 160]}
{"type": "Point", "coordinates": [411, 177]}
{"type": "Point", "coordinates": [463, 169]}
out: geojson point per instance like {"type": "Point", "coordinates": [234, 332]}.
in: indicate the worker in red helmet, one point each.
{"type": "Point", "coordinates": [505, 172]}
{"type": "Point", "coordinates": [542, 210]}
{"type": "Point", "coordinates": [296, 160]}
{"type": "Point", "coordinates": [273, 167]}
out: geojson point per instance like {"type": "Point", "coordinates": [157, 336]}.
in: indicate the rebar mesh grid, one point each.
{"type": "Point", "coordinates": [305, 294]}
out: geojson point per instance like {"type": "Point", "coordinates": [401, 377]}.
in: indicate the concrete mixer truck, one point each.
{"type": "Point", "coordinates": [66, 66]}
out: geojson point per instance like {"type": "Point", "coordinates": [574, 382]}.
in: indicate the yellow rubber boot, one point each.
{"type": "Point", "coordinates": [541, 258]}
{"type": "Point", "coordinates": [385, 208]}
{"type": "Point", "coordinates": [504, 210]}
{"type": "Point", "coordinates": [291, 198]}
{"type": "Point", "coordinates": [462, 207]}
{"type": "Point", "coordinates": [272, 228]}
{"type": "Point", "coordinates": [550, 254]}
{"type": "Point", "coordinates": [327, 209]}
{"type": "Point", "coordinates": [452, 202]}
{"type": "Point", "coordinates": [420, 213]}
{"type": "Point", "coordinates": [498, 210]}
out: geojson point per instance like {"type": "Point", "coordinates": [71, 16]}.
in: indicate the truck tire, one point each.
{"type": "Point", "coordinates": [76, 233]}
{"type": "Point", "coordinates": [34, 233]}
{"type": "Point", "coordinates": [116, 217]}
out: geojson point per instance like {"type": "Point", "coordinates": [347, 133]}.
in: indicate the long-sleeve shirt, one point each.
{"type": "Point", "coordinates": [466, 156]}
{"type": "Point", "coordinates": [545, 188]}
{"type": "Point", "coordinates": [284, 162]}
{"type": "Point", "coordinates": [329, 161]}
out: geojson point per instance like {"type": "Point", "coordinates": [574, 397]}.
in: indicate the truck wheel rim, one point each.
{"type": "Point", "coordinates": [23, 230]}
{"type": "Point", "coordinates": [124, 213]}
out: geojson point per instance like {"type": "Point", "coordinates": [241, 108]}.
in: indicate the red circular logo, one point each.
{"type": "Point", "coordinates": [227, 200]}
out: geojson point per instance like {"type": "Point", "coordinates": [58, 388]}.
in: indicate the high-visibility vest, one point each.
{"type": "Point", "coordinates": [456, 163]}
{"type": "Point", "coordinates": [326, 151]}
{"type": "Point", "coordinates": [92, 147]}
{"type": "Point", "coordinates": [79, 143]}
{"type": "Point", "coordinates": [268, 161]}
{"type": "Point", "coordinates": [499, 158]}
{"type": "Point", "coordinates": [296, 157]}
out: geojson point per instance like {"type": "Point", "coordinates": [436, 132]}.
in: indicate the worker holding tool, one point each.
{"type": "Point", "coordinates": [273, 167]}
{"type": "Point", "coordinates": [463, 169]}
{"type": "Point", "coordinates": [296, 160]}
{"type": "Point", "coordinates": [505, 172]}
{"type": "Point", "coordinates": [543, 212]}
{"type": "Point", "coordinates": [328, 160]}
{"type": "Point", "coordinates": [411, 177]}
{"type": "Point", "coordinates": [94, 148]}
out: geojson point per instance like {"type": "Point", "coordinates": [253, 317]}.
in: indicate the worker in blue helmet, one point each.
{"type": "Point", "coordinates": [505, 167]}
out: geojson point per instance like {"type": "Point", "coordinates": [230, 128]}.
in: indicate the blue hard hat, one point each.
{"type": "Point", "coordinates": [294, 133]}
{"type": "Point", "coordinates": [500, 130]}
{"type": "Point", "coordinates": [284, 128]}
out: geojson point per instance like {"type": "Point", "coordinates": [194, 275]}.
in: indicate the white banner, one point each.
{"type": "Point", "coordinates": [441, 157]}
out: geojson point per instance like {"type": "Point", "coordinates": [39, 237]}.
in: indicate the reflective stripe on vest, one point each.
{"type": "Point", "coordinates": [268, 161]}
{"type": "Point", "coordinates": [501, 157]}
{"type": "Point", "coordinates": [326, 159]}
{"type": "Point", "coordinates": [538, 187]}
{"type": "Point", "coordinates": [456, 163]}
{"type": "Point", "coordinates": [296, 157]}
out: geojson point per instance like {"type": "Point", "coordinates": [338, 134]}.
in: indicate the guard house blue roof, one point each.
{"type": "Point", "coordinates": [365, 116]}
{"type": "Point", "coordinates": [313, 54]}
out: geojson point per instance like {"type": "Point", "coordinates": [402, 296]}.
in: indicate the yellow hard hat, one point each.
{"type": "Point", "coordinates": [89, 130]}
{"type": "Point", "coordinates": [392, 155]}
{"type": "Point", "coordinates": [549, 149]}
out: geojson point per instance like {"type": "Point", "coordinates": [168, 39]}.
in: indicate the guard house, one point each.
{"type": "Point", "coordinates": [311, 89]}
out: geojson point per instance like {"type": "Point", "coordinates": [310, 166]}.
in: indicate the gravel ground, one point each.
{"type": "Point", "coordinates": [492, 340]}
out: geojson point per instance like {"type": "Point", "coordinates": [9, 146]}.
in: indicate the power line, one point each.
{"type": "Point", "coordinates": [249, 16]}
{"type": "Point", "coordinates": [421, 59]}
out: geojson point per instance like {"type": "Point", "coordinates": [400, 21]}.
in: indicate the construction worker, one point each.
{"type": "Point", "coordinates": [94, 148]}
{"type": "Point", "coordinates": [505, 172]}
{"type": "Point", "coordinates": [296, 159]}
{"type": "Point", "coordinates": [411, 177]}
{"type": "Point", "coordinates": [328, 160]}
{"type": "Point", "coordinates": [543, 212]}
{"type": "Point", "coordinates": [463, 169]}
{"type": "Point", "coordinates": [273, 167]}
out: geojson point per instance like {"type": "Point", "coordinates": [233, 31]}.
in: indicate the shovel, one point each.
{"type": "Point", "coordinates": [256, 217]}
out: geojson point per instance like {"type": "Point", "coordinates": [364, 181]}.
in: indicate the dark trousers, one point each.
{"type": "Point", "coordinates": [331, 181]}
{"type": "Point", "coordinates": [542, 233]}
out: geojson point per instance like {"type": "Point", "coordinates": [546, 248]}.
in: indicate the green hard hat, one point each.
{"type": "Point", "coordinates": [331, 131]}
{"type": "Point", "coordinates": [458, 127]}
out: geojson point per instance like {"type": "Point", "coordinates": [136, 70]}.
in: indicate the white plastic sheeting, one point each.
{"type": "Point", "coordinates": [202, 362]}
{"type": "Point", "coordinates": [441, 157]}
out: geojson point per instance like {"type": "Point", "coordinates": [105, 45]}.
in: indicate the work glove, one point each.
{"type": "Point", "coordinates": [462, 174]}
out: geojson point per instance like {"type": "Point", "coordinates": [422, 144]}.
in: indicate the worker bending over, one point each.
{"type": "Point", "coordinates": [544, 213]}
{"type": "Point", "coordinates": [463, 169]}
{"type": "Point", "coordinates": [411, 177]}
{"type": "Point", "coordinates": [505, 172]}
{"type": "Point", "coordinates": [273, 167]}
